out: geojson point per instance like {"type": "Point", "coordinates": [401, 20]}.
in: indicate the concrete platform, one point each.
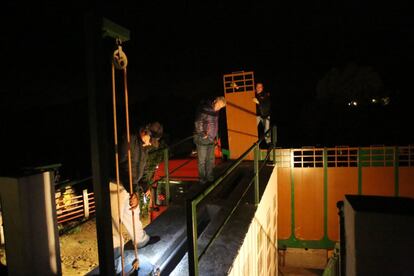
{"type": "Point", "coordinates": [221, 254]}
{"type": "Point", "coordinates": [169, 254]}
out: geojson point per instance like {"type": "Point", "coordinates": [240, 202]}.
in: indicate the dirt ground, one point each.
{"type": "Point", "coordinates": [79, 249]}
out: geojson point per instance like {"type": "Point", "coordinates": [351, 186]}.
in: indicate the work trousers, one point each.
{"type": "Point", "coordinates": [205, 153]}
{"type": "Point", "coordinates": [126, 216]}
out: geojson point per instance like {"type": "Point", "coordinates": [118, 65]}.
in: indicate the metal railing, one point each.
{"type": "Point", "coordinates": [167, 172]}
{"type": "Point", "coordinates": [74, 207]}
{"type": "Point", "coordinates": [191, 203]}
{"type": "Point", "coordinates": [81, 206]}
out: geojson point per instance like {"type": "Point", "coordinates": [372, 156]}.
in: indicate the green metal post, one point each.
{"type": "Point", "coordinates": [359, 172]}
{"type": "Point", "coordinates": [167, 176]}
{"type": "Point", "coordinates": [256, 174]}
{"type": "Point", "coordinates": [192, 237]}
{"type": "Point", "coordinates": [396, 173]}
{"type": "Point", "coordinates": [325, 193]}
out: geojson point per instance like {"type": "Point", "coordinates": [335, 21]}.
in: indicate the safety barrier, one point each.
{"type": "Point", "coordinates": [192, 203]}
{"type": "Point", "coordinates": [312, 180]}
{"type": "Point", "coordinates": [165, 180]}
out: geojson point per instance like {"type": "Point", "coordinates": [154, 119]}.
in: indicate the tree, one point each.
{"type": "Point", "coordinates": [351, 84]}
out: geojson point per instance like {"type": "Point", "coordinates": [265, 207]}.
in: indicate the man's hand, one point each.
{"type": "Point", "coordinates": [133, 201]}
{"type": "Point", "coordinates": [148, 193]}
{"type": "Point", "coordinates": [256, 100]}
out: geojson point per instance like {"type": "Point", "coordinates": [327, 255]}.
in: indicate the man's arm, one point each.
{"type": "Point", "coordinates": [124, 166]}
{"type": "Point", "coordinates": [201, 124]}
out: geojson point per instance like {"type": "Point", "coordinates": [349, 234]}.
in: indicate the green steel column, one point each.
{"type": "Point", "coordinates": [167, 176]}
{"type": "Point", "coordinates": [292, 195]}
{"type": "Point", "coordinates": [192, 242]}
{"type": "Point", "coordinates": [274, 141]}
{"type": "Point", "coordinates": [359, 172]}
{"type": "Point", "coordinates": [325, 193]}
{"type": "Point", "coordinates": [97, 72]}
{"type": "Point", "coordinates": [396, 173]}
{"type": "Point", "coordinates": [256, 174]}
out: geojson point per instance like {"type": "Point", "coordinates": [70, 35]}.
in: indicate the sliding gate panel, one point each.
{"type": "Point", "coordinates": [284, 193]}
{"type": "Point", "coordinates": [309, 203]}
{"type": "Point", "coordinates": [406, 181]}
{"type": "Point", "coordinates": [378, 181]}
{"type": "Point", "coordinates": [341, 181]}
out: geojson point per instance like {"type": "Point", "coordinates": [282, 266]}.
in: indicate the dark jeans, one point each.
{"type": "Point", "coordinates": [205, 153]}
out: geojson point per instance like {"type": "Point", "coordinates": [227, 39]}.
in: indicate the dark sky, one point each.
{"type": "Point", "coordinates": [179, 51]}
{"type": "Point", "coordinates": [185, 47]}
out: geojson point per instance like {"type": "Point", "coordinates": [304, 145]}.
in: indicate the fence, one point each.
{"type": "Point", "coordinates": [81, 206]}
{"type": "Point", "coordinates": [74, 206]}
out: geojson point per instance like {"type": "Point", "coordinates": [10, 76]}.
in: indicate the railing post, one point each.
{"type": "Point", "coordinates": [167, 176]}
{"type": "Point", "coordinates": [256, 173]}
{"type": "Point", "coordinates": [192, 238]}
{"type": "Point", "coordinates": [85, 203]}
{"type": "Point", "coordinates": [274, 140]}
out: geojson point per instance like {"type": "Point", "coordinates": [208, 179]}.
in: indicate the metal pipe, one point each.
{"type": "Point", "coordinates": [192, 237]}
{"type": "Point", "coordinates": [173, 145]}
{"type": "Point", "coordinates": [213, 238]}
{"type": "Point", "coordinates": [201, 195]}
{"type": "Point", "coordinates": [167, 176]}
{"type": "Point", "coordinates": [256, 174]}
{"type": "Point", "coordinates": [274, 141]}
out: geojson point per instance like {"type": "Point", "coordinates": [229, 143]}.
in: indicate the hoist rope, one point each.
{"type": "Point", "coordinates": [120, 62]}
{"type": "Point", "coordinates": [131, 190]}
{"type": "Point", "coordinates": [117, 168]}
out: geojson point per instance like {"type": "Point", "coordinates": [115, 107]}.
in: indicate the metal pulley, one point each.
{"type": "Point", "coordinates": [120, 59]}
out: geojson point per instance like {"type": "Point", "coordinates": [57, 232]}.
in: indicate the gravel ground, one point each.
{"type": "Point", "coordinates": [79, 249]}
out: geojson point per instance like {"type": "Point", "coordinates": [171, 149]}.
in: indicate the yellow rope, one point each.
{"type": "Point", "coordinates": [131, 190]}
{"type": "Point", "coordinates": [117, 167]}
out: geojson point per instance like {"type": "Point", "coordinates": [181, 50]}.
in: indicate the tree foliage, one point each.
{"type": "Point", "coordinates": [350, 83]}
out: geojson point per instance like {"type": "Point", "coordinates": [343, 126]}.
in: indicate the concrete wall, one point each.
{"type": "Point", "coordinates": [379, 235]}
{"type": "Point", "coordinates": [30, 229]}
{"type": "Point", "coordinates": [258, 254]}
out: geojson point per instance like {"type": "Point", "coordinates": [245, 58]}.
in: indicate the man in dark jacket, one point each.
{"type": "Point", "coordinates": [140, 143]}
{"type": "Point", "coordinates": [263, 108]}
{"type": "Point", "coordinates": [205, 133]}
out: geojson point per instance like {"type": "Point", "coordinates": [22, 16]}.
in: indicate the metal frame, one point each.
{"type": "Point", "coordinates": [243, 80]}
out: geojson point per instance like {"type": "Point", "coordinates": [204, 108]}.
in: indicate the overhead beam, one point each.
{"type": "Point", "coordinates": [115, 31]}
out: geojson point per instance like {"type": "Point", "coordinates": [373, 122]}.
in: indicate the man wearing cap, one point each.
{"type": "Point", "coordinates": [140, 143]}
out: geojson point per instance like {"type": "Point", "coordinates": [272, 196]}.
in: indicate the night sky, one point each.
{"type": "Point", "coordinates": [178, 53]}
